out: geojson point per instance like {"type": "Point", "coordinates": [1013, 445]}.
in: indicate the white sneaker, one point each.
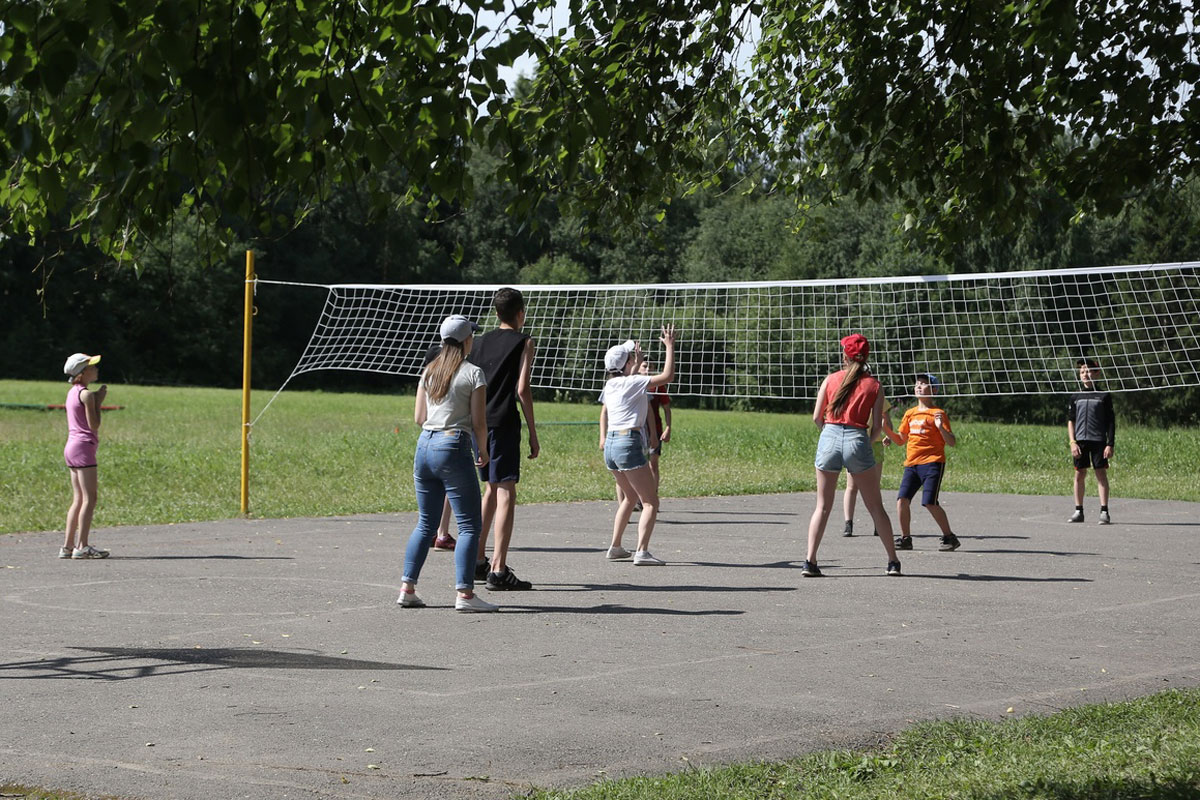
{"type": "Point", "coordinates": [64, 552]}
{"type": "Point", "coordinates": [1077, 516]}
{"type": "Point", "coordinates": [409, 600]}
{"type": "Point", "coordinates": [88, 552]}
{"type": "Point", "coordinates": [618, 554]}
{"type": "Point", "coordinates": [474, 604]}
{"type": "Point", "coordinates": [1105, 519]}
{"type": "Point", "coordinates": [642, 558]}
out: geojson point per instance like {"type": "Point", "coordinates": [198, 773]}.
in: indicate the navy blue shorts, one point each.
{"type": "Point", "coordinates": [504, 456]}
{"type": "Point", "coordinates": [928, 476]}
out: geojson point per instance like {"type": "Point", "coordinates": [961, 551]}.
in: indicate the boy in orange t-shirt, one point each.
{"type": "Point", "coordinates": [925, 430]}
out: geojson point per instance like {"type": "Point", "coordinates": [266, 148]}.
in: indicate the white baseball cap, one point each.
{"type": "Point", "coordinates": [618, 354]}
{"type": "Point", "coordinates": [77, 361]}
{"type": "Point", "coordinates": [458, 328]}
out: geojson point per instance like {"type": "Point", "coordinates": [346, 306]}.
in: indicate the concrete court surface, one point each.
{"type": "Point", "coordinates": [268, 659]}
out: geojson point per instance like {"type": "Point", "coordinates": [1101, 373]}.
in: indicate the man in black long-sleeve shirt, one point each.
{"type": "Point", "coordinates": [1092, 430]}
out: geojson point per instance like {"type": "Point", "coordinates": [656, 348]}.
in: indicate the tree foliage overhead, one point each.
{"type": "Point", "coordinates": [115, 113]}
{"type": "Point", "coordinates": [966, 112]}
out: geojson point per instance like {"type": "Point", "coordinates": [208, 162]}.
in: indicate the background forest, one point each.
{"type": "Point", "coordinates": [177, 321]}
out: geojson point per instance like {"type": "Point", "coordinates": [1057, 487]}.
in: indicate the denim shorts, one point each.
{"type": "Point", "coordinates": [843, 446]}
{"type": "Point", "coordinates": [624, 450]}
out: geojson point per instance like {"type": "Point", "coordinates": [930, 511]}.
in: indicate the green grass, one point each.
{"type": "Point", "coordinates": [19, 792]}
{"type": "Point", "coordinates": [1145, 749]}
{"type": "Point", "coordinates": [173, 455]}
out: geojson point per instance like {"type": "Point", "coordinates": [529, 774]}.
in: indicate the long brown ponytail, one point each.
{"type": "Point", "coordinates": [854, 371]}
{"type": "Point", "coordinates": [441, 370]}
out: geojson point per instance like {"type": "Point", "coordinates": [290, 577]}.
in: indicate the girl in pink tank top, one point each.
{"type": "Point", "coordinates": [83, 424]}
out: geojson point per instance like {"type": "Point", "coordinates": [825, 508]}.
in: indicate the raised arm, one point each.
{"type": "Point", "coordinates": [942, 421]}
{"type": "Point", "coordinates": [667, 337]}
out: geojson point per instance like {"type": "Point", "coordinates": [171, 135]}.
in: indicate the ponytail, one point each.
{"type": "Point", "coordinates": [854, 371]}
{"type": "Point", "coordinates": [442, 369]}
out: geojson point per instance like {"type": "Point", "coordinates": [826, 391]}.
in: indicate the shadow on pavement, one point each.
{"type": "Point", "coordinates": [123, 663]}
{"type": "Point", "coordinates": [203, 558]}
{"type": "Point", "coordinates": [612, 608]}
{"type": "Point", "coordinates": [629, 587]}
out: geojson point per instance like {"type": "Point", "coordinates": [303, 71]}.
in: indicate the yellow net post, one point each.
{"type": "Point", "coordinates": [247, 327]}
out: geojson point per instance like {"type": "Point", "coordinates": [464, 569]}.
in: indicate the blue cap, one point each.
{"type": "Point", "coordinates": [929, 378]}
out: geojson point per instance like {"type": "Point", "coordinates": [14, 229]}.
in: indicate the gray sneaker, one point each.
{"type": "Point", "coordinates": [88, 552]}
{"type": "Point", "coordinates": [1077, 516]}
{"type": "Point", "coordinates": [64, 552]}
{"type": "Point", "coordinates": [1105, 519]}
{"type": "Point", "coordinates": [618, 554]}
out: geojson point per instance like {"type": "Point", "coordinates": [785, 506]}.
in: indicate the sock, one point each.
{"type": "Point", "coordinates": [1079, 508]}
{"type": "Point", "coordinates": [1104, 508]}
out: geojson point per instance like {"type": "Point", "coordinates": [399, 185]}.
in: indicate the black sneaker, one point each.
{"type": "Point", "coordinates": [893, 569]}
{"type": "Point", "coordinates": [809, 569]}
{"type": "Point", "coordinates": [949, 542]}
{"type": "Point", "coordinates": [482, 569]}
{"type": "Point", "coordinates": [849, 531]}
{"type": "Point", "coordinates": [904, 543]}
{"type": "Point", "coordinates": [506, 581]}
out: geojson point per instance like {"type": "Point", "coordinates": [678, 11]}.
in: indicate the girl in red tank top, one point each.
{"type": "Point", "coordinates": [848, 412]}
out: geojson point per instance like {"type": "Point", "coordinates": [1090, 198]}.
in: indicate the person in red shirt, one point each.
{"type": "Point", "coordinates": [849, 408]}
{"type": "Point", "coordinates": [926, 431]}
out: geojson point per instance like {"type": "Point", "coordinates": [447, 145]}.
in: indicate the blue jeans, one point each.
{"type": "Point", "coordinates": [444, 466]}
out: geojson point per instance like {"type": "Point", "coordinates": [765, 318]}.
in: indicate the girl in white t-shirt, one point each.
{"type": "Point", "coordinates": [450, 409]}
{"type": "Point", "coordinates": [622, 421]}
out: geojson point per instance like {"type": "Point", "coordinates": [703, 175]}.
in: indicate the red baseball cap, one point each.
{"type": "Point", "coordinates": [856, 347]}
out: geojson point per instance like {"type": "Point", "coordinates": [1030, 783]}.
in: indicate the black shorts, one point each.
{"type": "Point", "coordinates": [504, 456]}
{"type": "Point", "coordinates": [1091, 454]}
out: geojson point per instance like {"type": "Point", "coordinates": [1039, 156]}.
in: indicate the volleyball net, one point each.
{"type": "Point", "coordinates": [1013, 333]}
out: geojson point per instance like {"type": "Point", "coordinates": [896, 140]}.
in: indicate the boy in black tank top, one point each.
{"type": "Point", "coordinates": [506, 356]}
